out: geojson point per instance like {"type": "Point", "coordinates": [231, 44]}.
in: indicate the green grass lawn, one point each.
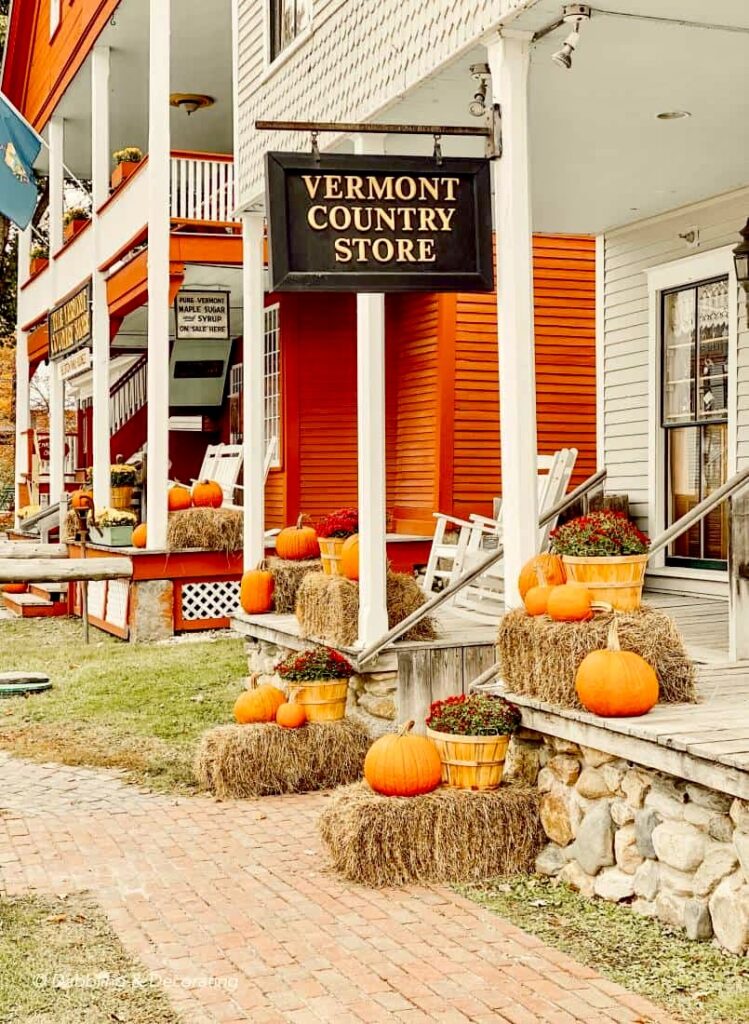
{"type": "Point", "coordinates": [136, 707]}
{"type": "Point", "coordinates": [63, 964]}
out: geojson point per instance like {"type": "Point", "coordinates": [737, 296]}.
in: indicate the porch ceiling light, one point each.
{"type": "Point", "coordinates": [673, 115]}
{"type": "Point", "coordinates": [190, 101]}
{"type": "Point", "coordinates": [741, 258]}
{"type": "Point", "coordinates": [575, 15]}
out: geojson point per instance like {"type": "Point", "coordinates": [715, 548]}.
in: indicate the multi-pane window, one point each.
{"type": "Point", "coordinates": [288, 18]}
{"type": "Point", "coordinates": [695, 414]}
{"type": "Point", "coordinates": [272, 389]}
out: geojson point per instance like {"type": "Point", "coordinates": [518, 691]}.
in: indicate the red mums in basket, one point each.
{"type": "Point", "coordinates": [319, 663]}
{"type": "Point", "coordinates": [342, 523]}
{"type": "Point", "coordinates": [599, 534]}
{"type": "Point", "coordinates": [475, 714]}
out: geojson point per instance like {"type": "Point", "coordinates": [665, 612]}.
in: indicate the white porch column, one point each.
{"type": "Point", "coordinates": [158, 271]}
{"type": "Point", "coordinates": [56, 183]}
{"type": "Point", "coordinates": [100, 65]}
{"type": "Point", "coordinates": [22, 410]}
{"type": "Point", "coordinates": [253, 388]}
{"type": "Point", "coordinates": [508, 59]}
{"type": "Point", "coordinates": [370, 402]}
{"type": "Point", "coordinates": [56, 433]}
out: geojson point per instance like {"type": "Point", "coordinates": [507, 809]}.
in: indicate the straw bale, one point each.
{"type": "Point", "coordinates": [212, 529]}
{"type": "Point", "coordinates": [263, 759]}
{"type": "Point", "coordinates": [539, 658]}
{"type": "Point", "coordinates": [450, 835]}
{"type": "Point", "coordinates": [288, 574]}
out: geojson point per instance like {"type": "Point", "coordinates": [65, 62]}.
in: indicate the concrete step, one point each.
{"type": "Point", "coordinates": [31, 606]}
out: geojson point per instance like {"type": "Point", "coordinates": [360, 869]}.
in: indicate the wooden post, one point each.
{"type": "Point", "coordinates": [56, 184]}
{"type": "Point", "coordinates": [159, 166]}
{"type": "Point", "coordinates": [23, 413]}
{"type": "Point", "coordinates": [738, 563]}
{"type": "Point", "coordinates": [508, 58]}
{"type": "Point", "coordinates": [253, 392]}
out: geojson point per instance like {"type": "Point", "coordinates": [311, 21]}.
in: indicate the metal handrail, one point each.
{"type": "Point", "coordinates": [478, 570]}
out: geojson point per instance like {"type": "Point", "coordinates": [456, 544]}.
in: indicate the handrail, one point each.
{"type": "Point", "coordinates": [27, 525]}
{"type": "Point", "coordinates": [478, 570]}
{"type": "Point", "coordinates": [127, 376]}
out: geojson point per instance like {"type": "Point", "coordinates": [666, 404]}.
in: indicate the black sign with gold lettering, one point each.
{"type": "Point", "coordinates": [70, 324]}
{"type": "Point", "coordinates": [378, 223]}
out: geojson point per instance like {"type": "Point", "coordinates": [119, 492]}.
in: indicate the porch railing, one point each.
{"type": "Point", "coordinates": [591, 484]}
{"type": "Point", "coordinates": [203, 188]}
{"type": "Point", "coordinates": [128, 394]}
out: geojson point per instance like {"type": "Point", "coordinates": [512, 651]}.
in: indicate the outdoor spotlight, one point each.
{"type": "Point", "coordinates": [741, 262]}
{"type": "Point", "coordinates": [575, 15]}
{"type": "Point", "coordinates": [481, 74]}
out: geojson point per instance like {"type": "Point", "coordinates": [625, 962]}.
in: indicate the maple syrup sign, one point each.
{"type": "Point", "coordinates": [378, 223]}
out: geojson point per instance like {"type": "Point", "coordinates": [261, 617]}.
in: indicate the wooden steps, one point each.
{"type": "Point", "coordinates": [41, 601]}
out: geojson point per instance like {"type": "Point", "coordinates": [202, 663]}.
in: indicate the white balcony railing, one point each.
{"type": "Point", "coordinates": [203, 188]}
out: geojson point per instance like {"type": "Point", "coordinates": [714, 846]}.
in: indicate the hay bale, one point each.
{"type": "Point", "coordinates": [260, 760]}
{"type": "Point", "coordinates": [211, 529]}
{"type": "Point", "coordinates": [288, 575]}
{"type": "Point", "coordinates": [328, 608]}
{"type": "Point", "coordinates": [69, 527]}
{"type": "Point", "coordinates": [450, 835]}
{"type": "Point", "coordinates": [539, 658]}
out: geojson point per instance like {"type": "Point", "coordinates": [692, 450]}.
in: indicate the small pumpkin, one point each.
{"type": "Point", "coordinates": [82, 499]}
{"type": "Point", "coordinates": [14, 588]}
{"type": "Point", "coordinates": [179, 498]}
{"type": "Point", "coordinates": [258, 705]}
{"type": "Point", "coordinates": [139, 536]}
{"type": "Point", "coordinates": [550, 565]}
{"type": "Point", "coordinates": [256, 591]}
{"type": "Point", "coordinates": [291, 716]}
{"type": "Point", "coordinates": [569, 603]}
{"type": "Point", "coordinates": [400, 764]}
{"type": "Point", "coordinates": [297, 542]}
{"type": "Point", "coordinates": [207, 494]}
{"type": "Point", "coordinates": [349, 563]}
{"type": "Point", "coordinates": [536, 599]}
{"type": "Point", "coordinates": [614, 683]}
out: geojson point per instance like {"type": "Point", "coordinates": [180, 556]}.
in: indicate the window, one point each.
{"type": "Point", "coordinates": [695, 415]}
{"type": "Point", "coordinates": [288, 19]}
{"type": "Point", "coordinates": [54, 16]}
{"type": "Point", "coordinates": [235, 404]}
{"type": "Point", "coordinates": [272, 381]}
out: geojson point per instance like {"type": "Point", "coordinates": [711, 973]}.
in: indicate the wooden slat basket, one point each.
{"type": "Point", "coordinates": [617, 581]}
{"type": "Point", "coordinates": [471, 762]}
{"type": "Point", "coordinates": [324, 700]}
{"type": "Point", "coordinates": [330, 555]}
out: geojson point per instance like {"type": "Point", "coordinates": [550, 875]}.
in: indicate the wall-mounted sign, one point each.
{"type": "Point", "coordinates": [202, 315]}
{"type": "Point", "coordinates": [70, 324]}
{"type": "Point", "coordinates": [378, 223]}
{"type": "Point", "coordinates": [72, 365]}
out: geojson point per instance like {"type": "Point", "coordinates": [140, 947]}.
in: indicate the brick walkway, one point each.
{"type": "Point", "coordinates": [237, 893]}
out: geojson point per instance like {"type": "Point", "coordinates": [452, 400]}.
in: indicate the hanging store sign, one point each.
{"type": "Point", "coordinates": [378, 223]}
{"type": "Point", "coordinates": [202, 315]}
{"type": "Point", "coordinates": [78, 362]}
{"type": "Point", "coordinates": [70, 324]}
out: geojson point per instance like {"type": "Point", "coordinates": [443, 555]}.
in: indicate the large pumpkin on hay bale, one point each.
{"type": "Point", "coordinates": [256, 591]}
{"type": "Point", "coordinates": [258, 705]}
{"type": "Point", "coordinates": [297, 543]}
{"type": "Point", "coordinates": [614, 683]}
{"type": "Point", "coordinates": [207, 494]}
{"type": "Point", "coordinates": [139, 536]}
{"type": "Point", "coordinates": [568, 603]}
{"type": "Point", "coordinates": [83, 498]}
{"type": "Point", "coordinates": [350, 557]}
{"type": "Point", "coordinates": [551, 568]}
{"type": "Point", "coordinates": [401, 764]}
{"type": "Point", "coordinates": [291, 716]}
{"type": "Point", "coordinates": [179, 498]}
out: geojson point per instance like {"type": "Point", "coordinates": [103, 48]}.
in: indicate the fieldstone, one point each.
{"type": "Point", "coordinates": [380, 689]}
{"type": "Point", "coordinates": [592, 784]}
{"type": "Point", "coordinates": [545, 780]}
{"type": "Point", "coordinates": [550, 860]}
{"type": "Point", "coordinates": [680, 882]}
{"type": "Point", "coordinates": [719, 802]}
{"type": "Point", "coordinates": [522, 763]}
{"type": "Point", "coordinates": [614, 885]}
{"type": "Point", "coordinates": [741, 844]}
{"type": "Point", "coordinates": [564, 746]}
{"type": "Point", "coordinates": [574, 876]}
{"type": "Point", "coordinates": [740, 814]}
{"type": "Point", "coordinates": [729, 911]}
{"type": "Point", "coordinates": [379, 707]}
{"type": "Point", "coordinates": [528, 736]}
{"type": "Point", "coordinates": [698, 816]}
{"type": "Point", "coordinates": [613, 776]}
{"type": "Point", "coordinates": [595, 758]}
{"type": "Point", "coordinates": [679, 845]}
{"type": "Point", "coordinates": [555, 818]}
{"type": "Point", "coordinates": [720, 828]}
{"type": "Point", "coordinates": [621, 812]}
{"type": "Point", "coordinates": [635, 786]}
{"type": "Point", "coordinates": [645, 908]}
{"type": "Point", "coordinates": [383, 677]}
{"type": "Point", "coordinates": [670, 786]}
{"type": "Point", "coordinates": [594, 845]}
{"type": "Point", "coordinates": [647, 879]}
{"type": "Point", "coordinates": [565, 767]}
{"type": "Point", "coordinates": [625, 850]}
{"type": "Point", "coordinates": [719, 863]}
{"type": "Point", "coordinates": [670, 908]}
{"type": "Point", "coordinates": [697, 921]}
{"type": "Point", "coordinates": [667, 806]}
{"type": "Point", "coordinates": [645, 821]}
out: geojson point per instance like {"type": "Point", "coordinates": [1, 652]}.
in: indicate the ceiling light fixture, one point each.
{"type": "Point", "coordinates": [575, 15]}
{"type": "Point", "coordinates": [673, 115]}
{"type": "Point", "coordinates": [190, 101]}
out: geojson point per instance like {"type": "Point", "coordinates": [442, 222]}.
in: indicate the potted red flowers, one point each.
{"type": "Point", "coordinates": [472, 733]}
{"type": "Point", "coordinates": [318, 680]}
{"type": "Point", "coordinates": [332, 531]}
{"type": "Point", "coordinates": [607, 553]}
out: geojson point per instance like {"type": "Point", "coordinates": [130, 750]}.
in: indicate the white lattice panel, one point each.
{"type": "Point", "coordinates": [214, 600]}
{"type": "Point", "coordinates": [97, 598]}
{"type": "Point", "coordinates": [118, 595]}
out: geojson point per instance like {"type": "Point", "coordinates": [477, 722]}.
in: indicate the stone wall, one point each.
{"type": "Point", "coordinates": [667, 848]}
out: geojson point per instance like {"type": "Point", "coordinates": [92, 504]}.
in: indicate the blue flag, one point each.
{"type": "Point", "coordinates": [19, 148]}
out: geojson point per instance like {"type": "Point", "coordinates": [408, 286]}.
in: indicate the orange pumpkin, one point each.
{"type": "Point", "coordinates": [350, 557]}
{"type": "Point", "coordinates": [256, 591]}
{"type": "Point", "coordinates": [82, 499]}
{"type": "Point", "coordinates": [258, 705]}
{"type": "Point", "coordinates": [537, 599]}
{"type": "Point", "coordinates": [568, 603]}
{"type": "Point", "coordinates": [400, 764]}
{"type": "Point", "coordinates": [291, 716]}
{"type": "Point", "coordinates": [139, 536]}
{"type": "Point", "coordinates": [14, 588]}
{"type": "Point", "coordinates": [297, 542]}
{"type": "Point", "coordinates": [179, 498]}
{"type": "Point", "coordinates": [614, 683]}
{"type": "Point", "coordinates": [207, 494]}
{"type": "Point", "coordinates": [552, 568]}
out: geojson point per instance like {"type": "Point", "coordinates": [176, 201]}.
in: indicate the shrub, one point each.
{"type": "Point", "coordinates": [475, 714]}
{"type": "Point", "coordinates": [599, 534]}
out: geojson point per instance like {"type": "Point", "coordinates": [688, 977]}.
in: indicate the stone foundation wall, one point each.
{"type": "Point", "coordinates": [669, 849]}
